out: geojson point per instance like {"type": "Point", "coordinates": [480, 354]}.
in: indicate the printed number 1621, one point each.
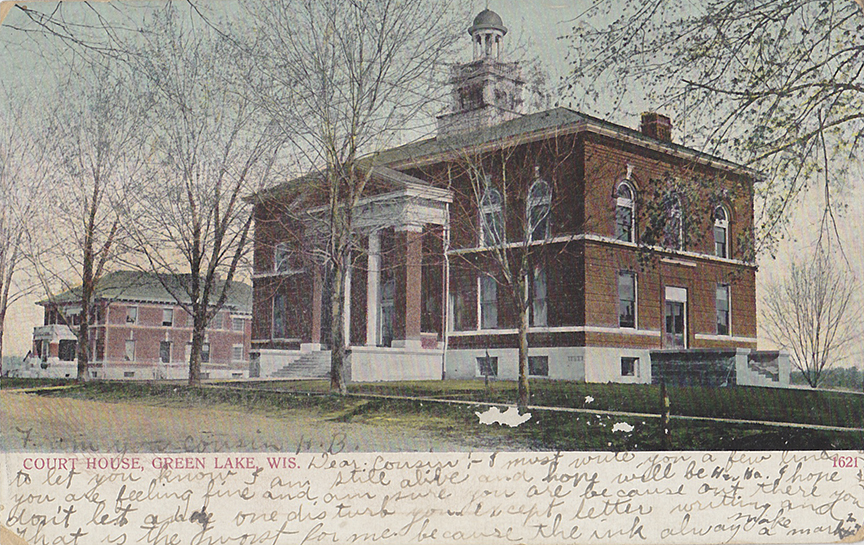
{"type": "Point", "coordinates": [845, 461]}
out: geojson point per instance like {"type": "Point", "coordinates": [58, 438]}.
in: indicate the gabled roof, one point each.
{"type": "Point", "coordinates": [142, 287]}
{"type": "Point", "coordinates": [379, 173]}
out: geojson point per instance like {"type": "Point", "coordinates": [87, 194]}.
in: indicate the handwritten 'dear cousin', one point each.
{"type": "Point", "coordinates": [471, 498]}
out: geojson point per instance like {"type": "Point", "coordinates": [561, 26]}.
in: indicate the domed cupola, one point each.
{"type": "Point", "coordinates": [488, 90]}
{"type": "Point", "coordinates": [486, 33]}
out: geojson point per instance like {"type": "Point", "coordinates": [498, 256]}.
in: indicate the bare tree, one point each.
{"type": "Point", "coordinates": [773, 84]}
{"type": "Point", "coordinates": [346, 78]}
{"type": "Point", "coordinates": [209, 146]}
{"type": "Point", "coordinates": [812, 312]}
{"type": "Point", "coordinates": [94, 152]}
{"type": "Point", "coordinates": [513, 191]}
{"type": "Point", "coordinates": [23, 174]}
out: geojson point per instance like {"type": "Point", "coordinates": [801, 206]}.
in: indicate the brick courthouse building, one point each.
{"type": "Point", "coordinates": [640, 262]}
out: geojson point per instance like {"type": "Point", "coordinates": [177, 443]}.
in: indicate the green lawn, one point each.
{"type": "Point", "coordinates": [747, 403]}
{"type": "Point", "coordinates": [546, 430]}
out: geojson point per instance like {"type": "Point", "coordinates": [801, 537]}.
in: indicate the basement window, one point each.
{"type": "Point", "coordinates": [629, 366]}
{"type": "Point", "coordinates": [538, 366]}
{"type": "Point", "coordinates": [487, 366]}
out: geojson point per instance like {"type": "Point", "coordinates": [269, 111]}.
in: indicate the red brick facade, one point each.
{"type": "Point", "coordinates": [583, 163]}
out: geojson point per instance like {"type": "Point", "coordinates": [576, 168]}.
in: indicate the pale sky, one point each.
{"type": "Point", "coordinates": [538, 25]}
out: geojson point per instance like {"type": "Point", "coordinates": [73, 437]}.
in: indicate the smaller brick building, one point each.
{"type": "Point", "coordinates": [139, 332]}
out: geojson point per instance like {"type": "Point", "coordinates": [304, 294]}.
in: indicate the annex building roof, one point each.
{"type": "Point", "coordinates": [144, 287]}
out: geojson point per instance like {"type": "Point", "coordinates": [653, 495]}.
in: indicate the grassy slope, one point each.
{"type": "Point", "coordinates": [546, 430]}
{"type": "Point", "coordinates": [769, 404]}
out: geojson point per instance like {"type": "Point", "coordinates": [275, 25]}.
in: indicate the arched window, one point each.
{"type": "Point", "coordinates": [721, 232]}
{"type": "Point", "coordinates": [673, 232]}
{"type": "Point", "coordinates": [625, 216]}
{"type": "Point", "coordinates": [538, 208]}
{"type": "Point", "coordinates": [491, 218]}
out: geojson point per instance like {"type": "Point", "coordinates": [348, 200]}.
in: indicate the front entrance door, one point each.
{"type": "Point", "coordinates": [676, 318]}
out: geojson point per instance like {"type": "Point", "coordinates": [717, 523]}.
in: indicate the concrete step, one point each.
{"type": "Point", "coordinates": [771, 372]}
{"type": "Point", "coordinates": [312, 365]}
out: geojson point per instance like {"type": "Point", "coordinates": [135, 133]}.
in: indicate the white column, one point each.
{"type": "Point", "coordinates": [373, 279]}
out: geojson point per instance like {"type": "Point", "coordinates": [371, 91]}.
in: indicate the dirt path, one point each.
{"type": "Point", "coordinates": [59, 424]}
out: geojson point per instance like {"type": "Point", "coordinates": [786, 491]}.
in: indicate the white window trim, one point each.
{"type": "Point", "coordinates": [281, 248]}
{"type": "Point", "coordinates": [636, 366]}
{"type": "Point", "coordinates": [173, 318]}
{"type": "Point", "coordinates": [724, 224]}
{"type": "Point", "coordinates": [242, 320]}
{"type": "Point", "coordinates": [531, 295]}
{"type": "Point", "coordinates": [491, 209]}
{"type": "Point", "coordinates": [678, 295]}
{"type": "Point", "coordinates": [480, 303]}
{"type": "Point", "coordinates": [728, 310]}
{"type": "Point", "coordinates": [273, 319]}
{"type": "Point", "coordinates": [532, 202]}
{"type": "Point", "coordinates": [126, 350]}
{"type": "Point", "coordinates": [235, 347]}
{"type": "Point", "coordinates": [635, 298]}
{"type": "Point", "coordinates": [626, 203]}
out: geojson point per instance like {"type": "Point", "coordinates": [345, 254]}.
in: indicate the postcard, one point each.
{"type": "Point", "coordinates": [416, 271]}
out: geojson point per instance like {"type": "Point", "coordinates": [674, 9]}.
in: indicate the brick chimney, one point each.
{"type": "Point", "coordinates": [656, 126]}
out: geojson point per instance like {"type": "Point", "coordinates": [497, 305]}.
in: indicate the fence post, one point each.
{"type": "Point", "coordinates": [664, 416]}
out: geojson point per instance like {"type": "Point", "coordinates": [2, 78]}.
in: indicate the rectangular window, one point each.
{"type": "Point", "coordinates": [237, 352]}
{"type": "Point", "coordinates": [167, 317]}
{"type": "Point", "coordinates": [538, 297]}
{"type": "Point", "coordinates": [279, 316]}
{"type": "Point", "coordinates": [130, 350]}
{"type": "Point", "coordinates": [67, 350]}
{"type": "Point", "coordinates": [624, 223]}
{"type": "Point", "coordinates": [131, 315]}
{"type": "Point", "coordinates": [488, 302]}
{"type": "Point", "coordinates": [492, 228]}
{"type": "Point", "coordinates": [281, 257]}
{"type": "Point", "coordinates": [128, 374]}
{"type": "Point", "coordinates": [626, 299]}
{"type": "Point", "coordinates": [720, 241]}
{"type": "Point", "coordinates": [538, 366]}
{"type": "Point", "coordinates": [238, 324]}
{"type": "Point", "coordinates": [629, 366]}
{"type": "Point", "coordinates": [165, 352]}
{"type": "Point", "coordinates": [205, 353]}
{"type": "Point", "coordinates": [487, 366]}
{"type": "Point", "coordinates": [459, 306]}
{"type": "Point", "coordinates": [722, 309]}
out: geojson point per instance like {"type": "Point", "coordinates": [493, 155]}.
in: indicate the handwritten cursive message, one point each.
{"type": "Point", "coordinates": [470, 498]}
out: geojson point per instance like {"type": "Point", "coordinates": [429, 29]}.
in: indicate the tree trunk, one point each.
{"type": "Point", "coordinates": [195, 352]}
{"type": "Point", "coordinates": [524, 394]}
{"type": "Point", "coordinates": [2, 329]}
{"type": "Point", "coordinates": [337, 329]}
{"type": "Point", "coordinates": [84, 341]}
{"type": "Point", "coordinates": [84, 326]}
{"type": "Point", "coordinates": [523, 390]}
